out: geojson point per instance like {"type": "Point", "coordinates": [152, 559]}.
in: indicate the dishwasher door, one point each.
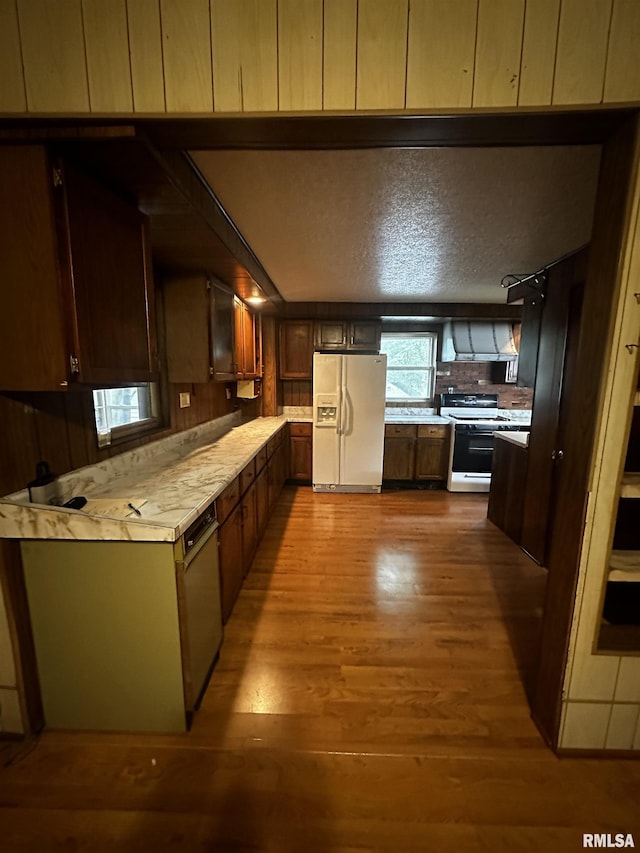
{"type": "Point", "coordinates": [203, 616]}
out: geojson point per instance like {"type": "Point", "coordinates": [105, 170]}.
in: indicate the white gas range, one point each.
{"type": "Point", "coordinates": [475, 419]}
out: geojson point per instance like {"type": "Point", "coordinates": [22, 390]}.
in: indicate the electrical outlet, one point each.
{"type": "Point", "coordinates": [228, 393]}
{"type": "Point", "coordinates": [185, 400]}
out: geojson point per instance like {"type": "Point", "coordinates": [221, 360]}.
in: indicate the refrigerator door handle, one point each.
{"type": "Point", "coordinates": [342, 423]}
{"type": "Point", "coordinates": [349, 406]}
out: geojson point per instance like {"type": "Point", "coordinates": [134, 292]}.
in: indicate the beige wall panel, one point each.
{"type": "Point", "coordinates": [300, 54]}
{"type": "Point", "coordinates": [442, 39]}
{"type": "Point", "coordinates": [339, 82]}
{"type": "Point", "coordinates": [145, 42]}
{"type": "Point", "coordinates": [382, 54]}
{"type": "Point", "coordinates": [12, 95]}
{"type": "Point", "coordinates": [244, 38]}
{"type": "Point", "coordinates": [582, 49]}
{"type": "Point", "coordinates": [186, 48]}
{"type": "Point", "coordinates": [498, 52]}
{"type": "Point", "coordinates": [539, 52]}
{"type": "Point", "coordinates": [107, 44]}
{"type": "Point", "coordinates": [622, 81]}
{"type": "Point", "coordinates": [53, 55]}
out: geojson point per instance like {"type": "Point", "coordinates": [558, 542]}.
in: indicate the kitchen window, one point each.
{"type": "Point", "coordinates": [123, 412]}
{"type": "Point", "coordinates": [411, 366]}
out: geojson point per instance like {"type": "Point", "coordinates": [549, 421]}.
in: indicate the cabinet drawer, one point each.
{"type": "Point", "coordinates": [432, 431]}
{"type": "Point", "coordinates": [227, 500]}
{"type": "Point", "coordinates": [300, 429]}
{"type": "Point", "coordinates": [247, 476]}
{"type": "Point", "coordinates": [261, 459]}
{"type": "Point", "coordinates": [400, 430]}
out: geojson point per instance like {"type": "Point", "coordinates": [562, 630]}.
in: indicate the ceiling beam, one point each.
{"type": "Point", "coordinates": [410, 310]}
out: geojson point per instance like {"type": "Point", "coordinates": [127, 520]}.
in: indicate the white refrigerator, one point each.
{"type": "Point", "coordinates": [348, 422]}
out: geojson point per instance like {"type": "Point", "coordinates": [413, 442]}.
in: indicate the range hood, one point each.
{"type": "Point", "coordinates": [478, 340]}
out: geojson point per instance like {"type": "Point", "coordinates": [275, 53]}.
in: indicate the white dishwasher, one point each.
{"type": "Point", "coordinates": [202, 609]}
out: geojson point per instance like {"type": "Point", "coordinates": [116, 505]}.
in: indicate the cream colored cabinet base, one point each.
{"type": "Point", "coordinates": [107, 634]}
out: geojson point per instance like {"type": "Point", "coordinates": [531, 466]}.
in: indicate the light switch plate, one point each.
{"type": "Point", "coordinates": [185, 399]}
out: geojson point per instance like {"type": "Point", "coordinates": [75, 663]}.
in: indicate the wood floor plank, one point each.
{"type": "Point", "coordinates": [371, 694]}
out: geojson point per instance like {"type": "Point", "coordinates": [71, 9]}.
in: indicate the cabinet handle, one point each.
{"type": "Point", "coordinates": [557, 455]}
{"type": "Point", "coordinates": [631, 347]}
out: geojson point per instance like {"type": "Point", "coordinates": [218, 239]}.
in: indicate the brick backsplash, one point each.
{"type": "Point", "coordinates": [476, 378]}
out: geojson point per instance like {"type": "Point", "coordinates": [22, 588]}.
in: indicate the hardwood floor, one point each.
{"type": "Point", "coordinates": [370, 695]}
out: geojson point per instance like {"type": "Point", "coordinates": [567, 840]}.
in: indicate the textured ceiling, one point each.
{"type": "Point", "coordinates": [380, 225]}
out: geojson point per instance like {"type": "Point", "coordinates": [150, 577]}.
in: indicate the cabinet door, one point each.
{"type": "Point", "coordinates": [107, 261]}
{"type": "Point", "coordinates": [187, 323]}
{"type": "Point", "coordinates": [249, 527]}
{"type": "Point", "coordinates": [398, 458]}
{"type": "Point", "coordinates": [34, 343]}
{"type": "Point", "coordinates": [300, 453]}
{"type": "Point", "coordinates": [231, 561]}
{"type": "Point", "coordinates": [296, 349]}
{"type": "Point", "coordinates": [222, 326]}
{"type": "Point", "coordinates": [332, 335]}
{"type": "Point", "coordinates": [262, 500]}
{"type": "Point", "coordinates": [244, 341]}
{"type": "Point", "coordinates": [432, 459]}
{"type": "Point", "coordinates": [364, 335]}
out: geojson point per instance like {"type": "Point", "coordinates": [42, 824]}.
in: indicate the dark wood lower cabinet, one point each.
{"type": "Point", "coordinates": [231, 560]}
{"type": "Point", "coordinates": [262, 500]}
{"type": "Point", "coordinates": [300, 453]}
{"type": "Point", "coordinates": [506, 498]}
{"type": "Point", "coordinates": [418, 452]}
{"type": "Point", "coordinates": [249, 507]}
{"type": "Point", "coordinates": [432, 459]}
{"type": "Point", "coordinates": [243, 512]}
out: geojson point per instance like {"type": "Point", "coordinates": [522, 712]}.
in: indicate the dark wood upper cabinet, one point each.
{"type": "Point", "coordinates": [222, 332]}
{"type": "Point", "coordinates": [246, 341]}
{"type": "Point", "coordinates": [355, 335]}
{"type": "Point", "coordinates": [364, 335]}
{"type": "Point", "coordinates": [331, 334]}
{"type": "Point", "coordinates": [296, 349]}
{"type": "Point", "coordinates": [78, 295]}
{"type": "Point", "coordinates": [199, 317]}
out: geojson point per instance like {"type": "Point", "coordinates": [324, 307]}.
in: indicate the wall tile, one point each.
{"type": "Point", "coordinates": [628, 685]}
{"type": "Point", "coordinates": [622, 726]}
{"type": "Point", "coordinates": [585, 725]}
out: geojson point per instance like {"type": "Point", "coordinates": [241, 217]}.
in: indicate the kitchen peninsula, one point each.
{"type": "Point", "coordinates": [112, 600]}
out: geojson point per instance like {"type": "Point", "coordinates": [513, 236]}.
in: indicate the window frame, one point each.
{"type": "Point", "coordinates": [431, 369]}
{"type": "Point", "coordinates": [126, 432]}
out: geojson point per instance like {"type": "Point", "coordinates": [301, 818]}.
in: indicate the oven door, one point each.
{"type": "Point", "coordinates": [472, 450]}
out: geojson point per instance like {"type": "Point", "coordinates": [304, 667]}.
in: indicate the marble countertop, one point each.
{"type": "Point", "coordinates": [413, 415]}
{"type": "Point", "coordinates": [521, 439]}
{"type": "Point", "coordinates": [177, 481]}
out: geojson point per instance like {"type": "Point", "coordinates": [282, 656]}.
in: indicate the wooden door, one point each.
{"type": "Point", "coordinates": [561, 306]}
{"type": "Point", "coordinates": [231, 560]}
{"type": "Point", "coordinates": [579, 410]}
{"type": "Point", "coordinates": [222, 326]}
{"type": "Point", "coordinates": [108, 262]}
{"type": "Point", "coordinates": [296, 349]}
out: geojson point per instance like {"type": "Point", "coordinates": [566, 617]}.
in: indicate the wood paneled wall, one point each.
{"type": "Point", "coordinates": [199, 56]}
{"type": "Point", "coordinates": [59, 427]}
